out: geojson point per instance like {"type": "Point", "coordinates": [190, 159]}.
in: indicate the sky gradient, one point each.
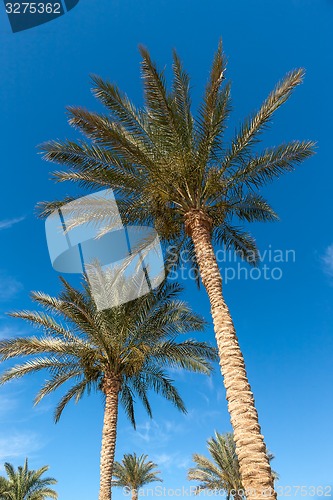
{"type": "Point", "coordinates": [284, 325]}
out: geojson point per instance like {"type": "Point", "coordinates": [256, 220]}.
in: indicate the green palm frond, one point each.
{"type": "Point", "coordinates": [238, 240]}
{"type": "Point", "coordinates": [254, 208]}
{"type": "Point", "coordinates": [45, 208]}
{"type": "Point", "coordinates": [156, 379]}
{"type": "Point", "coordinates": [158, 101]}
{"type": "Point", "coordinates": [111, 135]}
{"type": "Point", "coordinates": [213, 113]}
{"type": "Point", "coordinates": [272, 163]}
{"type": "Point", "coordinates": [35, 365]}
{"type": "Point", "coordinates": [253, 126]}
{"type": "Point", "coordinates": [182, 102]}
{"type": "Point", "coordinates": [75, 393]}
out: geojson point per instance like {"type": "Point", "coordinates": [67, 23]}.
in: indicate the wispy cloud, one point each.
{"type": "Point", "coordinates": [210, 383]}
{"type": "Point", "coordinates": [172, 460]}
{"type": "Point", "coordinates": [151, 431]}
{"type": "Point", "coordinates": [7, 404]}
{"type": "Point", "coordinates": [18, 445]}
{"type": "Point", "coordinates": [327, 260]}
{"type": "Point", "coordinates": [7, 223]}
{"type": "Point", "coordinates": [9, 287]}
{"type": "Point", "coordinates": [9, 331]}
{"type": "Point", "coordinates": [157, 434]}
{"type": "Point", "coordinates": [200, 417]}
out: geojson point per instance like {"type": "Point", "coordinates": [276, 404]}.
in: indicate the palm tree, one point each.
{"type": "Point", "coordinates": [221, 473]}
{"type": "Point", "coordinates": [25, 484]}
{"type": "Point", "coordinates": [133, 472]}
{"type": "Point", "coordinates": [176, 171]}
{"type": "Point", "coordinates": [3, 487]}
{"type": "Point", "coordinates": [121, 352]}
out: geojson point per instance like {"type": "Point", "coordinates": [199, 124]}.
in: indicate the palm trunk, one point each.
{"type": "Point", "coordinates": [254, 465]}
{"type": "Point", "coordinates": [237, 497]}
{"type": "Point", "coordinates": [111, 388]}
{"type": "Point", "coordinates": [134, 494]}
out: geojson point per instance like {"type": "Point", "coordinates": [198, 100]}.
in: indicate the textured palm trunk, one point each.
{"type": "Point", "coordinates": [134, 494]}
{"type": "Point", "coordinates": [111, 388]}
{"type": "Point", "coordinates": [254, 465]}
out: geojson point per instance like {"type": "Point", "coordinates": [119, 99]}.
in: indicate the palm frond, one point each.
{"type": "Point", "coordinates": [182, 100]}
{"type": "Point", "coordinates": [251, 128]}
{"type": "Point", "coordinates": [213, 114]}
{"type": "Point", "coordinates": [272, 163]}
{"type": "Point", "coordinates": [235, 239]}
{"type": "Point", "coordinates": [121, 109]}
{"type": "Point", "coordinates": [76, 392]}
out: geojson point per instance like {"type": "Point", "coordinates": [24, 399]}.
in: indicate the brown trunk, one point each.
{"type": "Point", "coordinates": [237, 497]}
{"type": "Point", "coordinates": [111, 388]}
{"type": "Point", "coordinates": [134, 494]}
{"type": "Point", "coordinates": [254, 465]}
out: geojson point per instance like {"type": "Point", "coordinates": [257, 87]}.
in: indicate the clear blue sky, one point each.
{"type": "Point", "coordinates": [285, 326]}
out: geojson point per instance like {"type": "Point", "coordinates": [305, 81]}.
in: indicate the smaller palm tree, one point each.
{"type": "Point", "coordinates": [122, 352]}
{"type": "Point", "coordinates": [25, 484]}
{"type": "Point", "coordinates": [133, 472]}
{"type": "Point", "coordinates": [222, 472]}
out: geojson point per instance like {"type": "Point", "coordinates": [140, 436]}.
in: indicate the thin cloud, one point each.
{"type": "Point", "coordinates": [9, 331]}
{"type": "Point", "coordinates": [18, 445]}
{"type": "Point", "coordinates": [327, 260]}
{"type": "Point", "coordinates": [7, 404]}
{"type": "Point", "coordinates": [171, 460]}
{"type": "Point", "coordinates": [151, 431]}
{"type": "Point", "coordinates": [9, 287]}
{"type": "Point", "coordinates": [200, 417]}
{"type": "Point", "coordinates": [7, 223]}
{"type": "Point", "coordinates": [157, 434]}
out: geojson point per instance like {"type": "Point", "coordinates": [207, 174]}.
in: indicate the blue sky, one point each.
{"type": "Point", "coordinates": [284, 325]}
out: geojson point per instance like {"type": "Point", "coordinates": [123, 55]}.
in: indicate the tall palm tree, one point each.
{"type": "Point", "coordinates": [221, 472]}
{"type": "Point", "coordinates": [176, 171]}
{"type": "Point", "coordinates": [133, 472]}
{"type": "Point", "coordinates": [121, 352]}
{"type": "Point", "coordinates": [25, 484]}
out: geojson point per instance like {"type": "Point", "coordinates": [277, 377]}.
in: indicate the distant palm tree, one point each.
{"type": "Point", "coordinates": [134, 472]}
{"type": "Point", "coordinates": [25, 484]}
{"type": "Point", "coordinates": [221, 472]}
{"type": "Point", "coordinates": [121, 352]}
{"type": "Point", "coordinates": [3, 487]}
{"type": "Point", "coordinates": [179, 173]}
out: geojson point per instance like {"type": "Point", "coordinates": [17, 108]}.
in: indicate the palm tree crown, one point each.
{"type": "Point", "coordinates": [134, 472]}
{"type": "Point", "coordinates": [168, 166]}
{"type": "Point", "coordinates": [221, 472]}
{"type": "Point", "coordinates": [25, 484]}
{"type": "Point", "coordinates": [132, 343]}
